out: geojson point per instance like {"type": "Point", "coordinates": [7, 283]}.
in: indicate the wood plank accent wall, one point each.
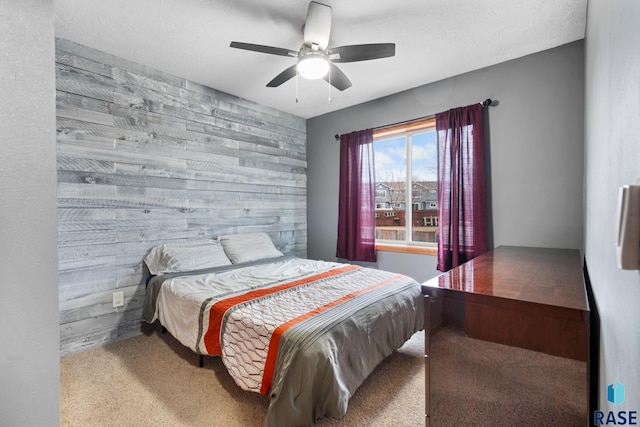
{"type": "Point", "coordinates": [144, 158]}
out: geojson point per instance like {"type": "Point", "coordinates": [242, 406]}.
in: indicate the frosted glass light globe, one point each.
{"type": "Point", "coordinates": [313, 66]}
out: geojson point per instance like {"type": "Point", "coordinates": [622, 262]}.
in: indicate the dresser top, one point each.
{"type": "Point", "coordinates": [537, 275]}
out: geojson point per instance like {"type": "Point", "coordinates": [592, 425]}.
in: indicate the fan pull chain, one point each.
{"type": "Point", "coordinates": [296, 86]}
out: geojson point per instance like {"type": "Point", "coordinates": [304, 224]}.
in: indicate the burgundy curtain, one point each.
{"type": "Point", "coordinates": [356, 205]}
{"type": "Point", "coordinates": [461, 191]}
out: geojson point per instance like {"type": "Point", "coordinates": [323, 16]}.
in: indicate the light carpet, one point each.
{"type": "Point", "coordinates": [152, 380]}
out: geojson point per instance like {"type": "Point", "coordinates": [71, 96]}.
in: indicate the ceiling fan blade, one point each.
{"type": "Point", "coordinates": [264, 49]}
{"type": "Point", "coordinates": [361, 52]}
{"type": "Point", "coordinates": [287, 74]}
{"type": "Point", "coordinates": [337, 78]}
{"type": "Point", "coordinates": [317, 27]}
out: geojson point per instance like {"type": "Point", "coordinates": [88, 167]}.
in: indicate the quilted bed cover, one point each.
{"type": "Point", "coordinates": [306, 333]}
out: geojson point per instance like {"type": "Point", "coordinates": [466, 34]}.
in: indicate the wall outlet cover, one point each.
{"type": "Point", "coordinates": [118, 299]}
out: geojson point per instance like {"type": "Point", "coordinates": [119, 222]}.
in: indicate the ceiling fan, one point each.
{"type": "Point", "coordinates": [315, 60]}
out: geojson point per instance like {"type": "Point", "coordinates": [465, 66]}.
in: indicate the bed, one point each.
{"type": "Point", "coordinates": [306, 333]}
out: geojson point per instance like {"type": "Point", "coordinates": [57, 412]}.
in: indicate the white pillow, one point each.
{"type": "Point", "coordinates": [248, 247]}
{"type": "Point", "coordinates": [185, 256]}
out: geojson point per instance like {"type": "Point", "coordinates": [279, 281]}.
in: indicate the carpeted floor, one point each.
{"type": "Point", "coordinates": [480, 383]}
{"type": "Point", "coordinates": [152, 380]}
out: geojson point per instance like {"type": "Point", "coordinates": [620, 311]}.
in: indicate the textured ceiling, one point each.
{"type": "Point", "coordinates": [435, 39]}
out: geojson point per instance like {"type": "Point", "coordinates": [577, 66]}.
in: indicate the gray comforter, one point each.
{"type": "Point", "coordinates": [323, 360]}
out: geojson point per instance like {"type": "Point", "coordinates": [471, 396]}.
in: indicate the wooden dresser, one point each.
{"type": "Point", "coordinates": [533, 298]}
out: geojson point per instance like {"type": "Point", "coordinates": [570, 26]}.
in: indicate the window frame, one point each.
{"type": "Point", "coordinates": [408, 129]}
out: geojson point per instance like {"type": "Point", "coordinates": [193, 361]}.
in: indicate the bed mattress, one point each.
{"type": "Point", "coordinates": [304, 332]}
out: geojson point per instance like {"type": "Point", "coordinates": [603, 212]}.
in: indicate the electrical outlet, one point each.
{"type": "Point", "coordinates": [118, 299]}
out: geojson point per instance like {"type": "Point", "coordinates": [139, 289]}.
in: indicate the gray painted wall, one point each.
{"type": "Point", "coordinates": [146, 158]}
{"type": "Point", "coordinates": [536, 152]}
{"type": "Point", "coordinates": [612, 159]}
{"type": "Point", "coordinates": [29, 361]}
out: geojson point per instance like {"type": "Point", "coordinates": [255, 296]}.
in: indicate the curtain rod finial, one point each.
{"type": "Point", "coordinates": [336, 136]}
{"type": "Point", "coordinates": [487, 102]}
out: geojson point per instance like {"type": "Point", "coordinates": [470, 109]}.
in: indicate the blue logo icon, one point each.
{"type": "Point", "coordinates": [615, 393]}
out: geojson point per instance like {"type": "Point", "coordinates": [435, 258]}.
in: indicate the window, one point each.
{"type": "Point", "coordinates": [406, 166]}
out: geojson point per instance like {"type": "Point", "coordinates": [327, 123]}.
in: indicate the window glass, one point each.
{"type": "Point", "coordinates": [391, 174]}
{"type": "Point", "coordinates": [406, 188]}
{"type": "Point", "coordinates": [424, 178]}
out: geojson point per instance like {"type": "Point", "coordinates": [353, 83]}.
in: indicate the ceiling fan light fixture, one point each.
{"type": "Point", "coordinates": [313, 66]}
{"type": "Point", "coordinates": [315, 59]}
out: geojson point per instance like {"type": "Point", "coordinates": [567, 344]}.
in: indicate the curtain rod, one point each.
{"type": "Point", "coordinates": [486, 103]}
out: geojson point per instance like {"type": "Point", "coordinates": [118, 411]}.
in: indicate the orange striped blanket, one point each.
{"type": "Point", "coordinates": [246, 329]}
{"type": "Point", "coordinates": [307, 333]}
